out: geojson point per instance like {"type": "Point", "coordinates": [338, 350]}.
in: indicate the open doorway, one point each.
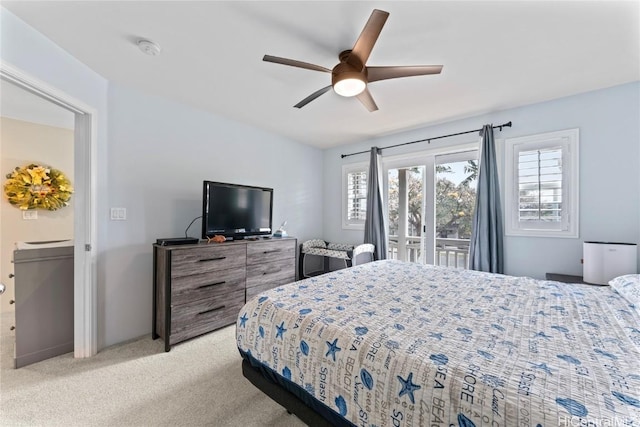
{"type": "Point", "coordinates": [36, 256]}
{"type": "Point", "coordinates": [83, 229]}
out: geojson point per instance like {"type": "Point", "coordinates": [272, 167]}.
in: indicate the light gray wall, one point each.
{"type": "Point", "coordinates": [160, 152]}
{"type": "Point", "coordinates": [609, 123]}
{"type": "Point", "coordinates": [152, 158]}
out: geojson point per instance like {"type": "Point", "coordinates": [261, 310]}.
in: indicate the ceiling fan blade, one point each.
{"type": "Point", "coordinates": [367, 100]}
{"type": "Point", "coordinates": [313, 96]}
{"type": "Point", "coordinates": [294, 63]}
{"type": "Point", "coordinates": [364, 45]}
{"type": "Point", "coordinates": [383, 73]}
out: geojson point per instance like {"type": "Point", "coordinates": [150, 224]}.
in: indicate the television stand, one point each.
{"type": "Point", "coordinates": [200, 288]}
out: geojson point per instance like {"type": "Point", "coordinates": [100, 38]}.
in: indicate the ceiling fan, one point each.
{"type": "Point", "coordinates": [351, 76]}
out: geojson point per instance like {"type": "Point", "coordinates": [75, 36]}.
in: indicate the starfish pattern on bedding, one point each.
{"type": "Point", "coordinates": [333, 347]}
{"type": "Point", "coordinates": [408, 387]}
{"type": "Point", "coordinates": [280, 330]}
{"type": "Point", "coordinates": [243, 320]}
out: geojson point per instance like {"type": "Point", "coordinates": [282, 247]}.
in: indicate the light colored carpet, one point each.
{"type": "Point", "coordinates": [197, 383]}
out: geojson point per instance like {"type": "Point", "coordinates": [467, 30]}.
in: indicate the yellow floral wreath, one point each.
{"type": "Point", "coordinates": [38, 187]}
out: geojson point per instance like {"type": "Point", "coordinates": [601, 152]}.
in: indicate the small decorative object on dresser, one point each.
{"type": "Point", "coordinates": [200, 288]}
{"type": "Point", "coordinates": [281, 232]}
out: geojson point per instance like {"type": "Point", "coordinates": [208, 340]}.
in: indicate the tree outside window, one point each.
{"type": "Point", "coordinates": [454, 202]}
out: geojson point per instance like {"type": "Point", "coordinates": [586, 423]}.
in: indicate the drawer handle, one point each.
{"type": "Point", "coordinates": [271, 252]}
{"type": "Point", "coordinates": [271, 272]}
{"type": "Point", "coordinates": [212, 284]}
{"type": "Point", "coordinates": [212, 259]}
{"type": "Point", "coordinates": [212, 309]}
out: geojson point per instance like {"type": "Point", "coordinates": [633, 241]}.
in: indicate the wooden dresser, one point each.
{"type": "Point", "coordinates": [270, 264]}
{"type": "Point", "coordinates": [200, 288]}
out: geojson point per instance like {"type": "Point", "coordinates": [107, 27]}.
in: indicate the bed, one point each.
{"type": "Point", "coordinates": [391, 343]}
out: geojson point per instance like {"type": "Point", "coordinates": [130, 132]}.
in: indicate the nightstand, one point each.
{"type": "Point", "coordinates": [565, 278]}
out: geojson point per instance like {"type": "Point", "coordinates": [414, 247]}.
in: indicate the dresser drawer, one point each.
{"type": "Point", "coordinates": [186, 262]}
{"type": "Point", "coordinates": [271, 274]}
{"type": "Point", "coordinates": [200, 288]}
{"type": "Point", "coordinates": [196, 318]}
{"type": "Point", "coordinates": [273, 250]}
{"type": "Point", "coordinates": [211, 284]}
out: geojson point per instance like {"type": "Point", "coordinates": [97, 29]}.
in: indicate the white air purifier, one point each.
{"type": "Point", "coordinates": [604, 261]}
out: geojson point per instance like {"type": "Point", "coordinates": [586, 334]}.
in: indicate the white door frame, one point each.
{"type": "Point", "coordinates": [85, 301]}
{"type": "Point", "coordinates": [409, 160]}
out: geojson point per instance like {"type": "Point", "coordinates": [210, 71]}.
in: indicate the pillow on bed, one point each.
{"type": "Point", "coordinates": [629, 287]}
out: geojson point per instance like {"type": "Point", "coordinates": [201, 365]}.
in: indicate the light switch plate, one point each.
{"type": "Point", "coordinates": [30, 214]}
{"type": "Point", "coordinates": [118, 214]}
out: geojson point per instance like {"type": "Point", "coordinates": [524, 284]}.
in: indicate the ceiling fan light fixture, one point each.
{"type": "Point", "coordinates": [351, 75]}
{"type": "Point", "coordinates": [349, 84]}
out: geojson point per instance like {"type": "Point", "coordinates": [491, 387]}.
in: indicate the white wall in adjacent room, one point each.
{"type": "Point", "coordinates": [24, 143]}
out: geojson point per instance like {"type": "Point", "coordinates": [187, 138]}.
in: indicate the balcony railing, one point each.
{"type": "Point", "coordinates": [449, 252]}
{"type": "Point", "coordinates": [412, 247]}
{"type": "Point", "coordinates": [452, 252]}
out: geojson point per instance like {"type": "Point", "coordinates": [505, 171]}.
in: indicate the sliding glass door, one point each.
{"type": "Point", "coordinates": [405, 197]}
{"type": "Point", "coordinates": [455, 199]}
{"type": "Point", "coordinates": [430, 201]}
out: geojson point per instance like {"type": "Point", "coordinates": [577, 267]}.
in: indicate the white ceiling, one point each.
{"type": "Point", "coordinates": [496, 55]}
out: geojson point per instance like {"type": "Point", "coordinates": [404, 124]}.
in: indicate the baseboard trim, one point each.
{"type": "Point", "coordinates": [40, 355]}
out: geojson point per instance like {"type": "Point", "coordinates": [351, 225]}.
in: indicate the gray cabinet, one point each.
{"type": "Point", "coordinates": [200, 288]}
{"type": "Point", "coordinates": [44, 303]}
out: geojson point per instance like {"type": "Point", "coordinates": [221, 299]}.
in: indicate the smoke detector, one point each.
{"type": "Point", "coordinates": [149, 47]}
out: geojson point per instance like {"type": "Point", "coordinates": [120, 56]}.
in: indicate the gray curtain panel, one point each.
{"type": "Point", "coordinates": [486, 250]}
{"type": "Point", "coordinates": [375, 224]}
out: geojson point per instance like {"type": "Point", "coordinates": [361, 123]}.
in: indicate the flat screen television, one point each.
{"type": "Point", "coordinates": [235, 211]}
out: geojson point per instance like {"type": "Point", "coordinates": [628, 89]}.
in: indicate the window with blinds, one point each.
{"type": "Point", "coordinates": [354, 196]}
{"type": "Point", "coordinates": [541, 185]}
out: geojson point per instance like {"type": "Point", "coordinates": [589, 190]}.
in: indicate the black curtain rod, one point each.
{"type": "Point", "coordinates": [504, 125]}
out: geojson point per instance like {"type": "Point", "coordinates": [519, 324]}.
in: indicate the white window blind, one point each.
{"type": "Point", "coordinates": [356, 196]}
{"type": "Point", "coordinates": [540, 185]}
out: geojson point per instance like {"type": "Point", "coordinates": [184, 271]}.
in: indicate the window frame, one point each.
{"type": "Point", "coordinates": [346, 170]}
{"type": "Point", "coordinates": [568, 140]}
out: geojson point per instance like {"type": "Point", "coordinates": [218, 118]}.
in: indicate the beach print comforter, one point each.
{"type": "Point", "coordinates": [401, 344]}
